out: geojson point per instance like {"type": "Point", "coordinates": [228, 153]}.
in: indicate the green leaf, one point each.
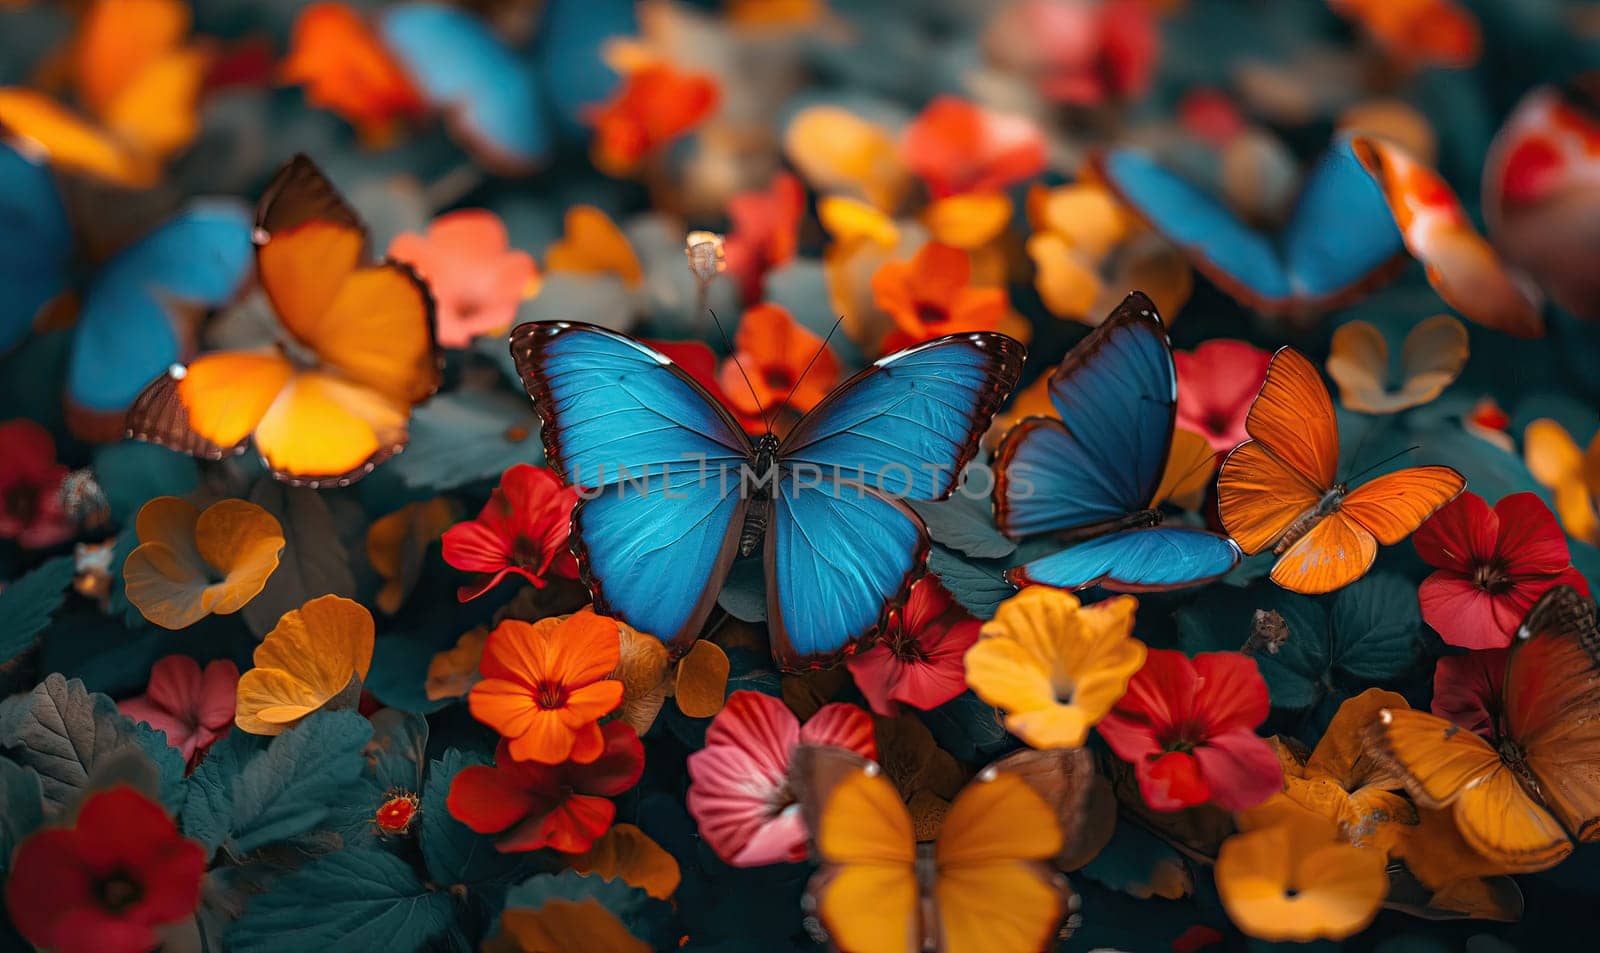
{"type": "Point", "coordinates": [744, 594]}
{"type": "Point", "coordinates": [297, 782]}
{"type": "Point", "coordinates": [1220, 620]}
{"type": "Point", "coordinates": [133, 473]}
{"type": "Point", "coordinates": [642, 914]}
{"type": "Point", "coordinates": [208, 808]}
{"type": "Point", "coordinates": [63, 731]}
{"type": "Point", "coordinates": [21, 807]}
{"type": "Point", "coordinates": [967, 727]}
{"type": "Point", "coordinates": [27, 604]}
{"type": "Point", "coordinates": [314, 561]}
{"type": "Point", "coordinates": [978, 585]}
{"type": "Point", "coordinates": [1377, 631]}
{"type": "Point", "coordinates": [352, 900]}
{"type": "Point", "coordinates": [452, 851]}
{"type": "Point", "coordinates": [466, 436]}
{"type": "Point", "coordinates": [965, 523]}
{"type": "Point", "coordinates": [395, 759]}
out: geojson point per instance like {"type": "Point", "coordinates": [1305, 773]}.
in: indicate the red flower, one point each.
{"type": "Point", "coordinates": [195, 708]}
{"type": "Point", "coordinates": [106, 883]}
{"type": "Point", "coordinates": [396, 815]}
{"type": "Point", "coordinates": [30, 487]}
{"type": "Point", "coordinates": [522, 529]}
{"type": "Point", "coordinates": [655, 104]}
{"type": "Point", "coordinates": [562, 806]}
{"type": "Point", "coordinates": [1081, 52]}
{"type": "Point", "coordinates": [1188, 727]}
{"type": "Point", "coordinates": [1466, 689]}
{"type": "Point", "coordinates": [917, 661]}
{"type": "Point", "coordinates": [776, 352]}
{"type": "Point", "coordinates": [1493, 566]}
{"type": "Point", "coordinates": [958, 147]}
{"type": "Point", "coordinates": [765, 231]}
{"type": "Point", "coordinates": [1217, 381]}
{"type": "Point", "coordinates": [739, 782]}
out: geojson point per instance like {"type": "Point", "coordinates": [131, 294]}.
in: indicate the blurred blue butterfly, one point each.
{"type": "Point", "coordinates": [676, 491]}
{"type": "Point", "coordinates": [1093, 475]}
{"type": "Point", "coordinates": [1339, 243]}
{"type": "Point", "coordinates": [132, 322]}
{"type": "Point", "coordinates": [505, 105]}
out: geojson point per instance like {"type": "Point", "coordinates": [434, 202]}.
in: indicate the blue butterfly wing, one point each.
{"type": "Point", "coordinates": [35, 244]}
{"type": "Point", "coordinates": [1240, 260]}
{"type": "Point", "coordinates": [129, 327]}
{"type": "Point", "coordinates": [659, 526]}
{"type": "Point", "coordinates": [1151, 559]}
{"type": "Point", "coordinates": [839, 557]}
{"type": "Point", "coordinates": [1342, 239]}
{"type": "Point", "coordinates": [1116, 393]}
{"type": "Point", "coordinates": [570, 47]}
{"type": "Point", "coordinates": [489, 94]}
{"type": "Point", "coordinates": [908, 424]}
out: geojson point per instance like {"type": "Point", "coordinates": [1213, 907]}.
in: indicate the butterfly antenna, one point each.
{"type": "Point", "coordinates": [1392, 456]}
{"type": "Point", "coordinates": [1365, 433]}
{"type": "Point", "coordinates": [728, 343]}
{"type": "Point", "coordinates": [837, 321]}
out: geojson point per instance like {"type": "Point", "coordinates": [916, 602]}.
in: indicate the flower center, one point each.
{"type": "Point", "coordinates": [551, 695]}
{"type": "Point", "coordinates": [903, 646]}
{"type": "Point", "coordinates": [781, 800]}
{"type": "Point", "coordinates": [396, 814]}
{"type": "Point", "coordinates": [119, 891]}
{"type": "Point", "coordinates": [1492, 577]}
{"type": "Point", "coordinates": [526, 553]}
{"type": "Point", "coordinates": [929, 312]}
{"type": "Point", "coordinates": [22, 502]}
{"type": "Point", "coordinates": [1218, 422]}
{"type": "Point", "coordinates": [777, 379]}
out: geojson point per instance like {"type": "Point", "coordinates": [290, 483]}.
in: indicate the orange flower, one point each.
{"type": "Point", "coordinates": [765, 231]}
{"type": "Point", "coordinates": [476, 278]}
{"type": "Point", "coordinates": [316, 655]}
{"type": "Point", "coordinates": [592, 244]}
{"type": "Point", "coordinates": [656, 104]}
{"type": "Point", "coordinates": [337, 56]}
{"type": "Point", "coordinates": [628, 854]}
{"type": "Point", "coordinates": [928, 296]}
{"type": "Point", "coordinates": [774, 350]}
{"type": "Point", "coordinates": [190, 564]}
{"type": "Point", "coordinates": [545, 688]}
{"type": "Point", "coordinates": [956, 146]}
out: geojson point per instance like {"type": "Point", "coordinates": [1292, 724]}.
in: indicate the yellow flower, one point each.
{"type": "Point", "coordinates": [190, 564]}
{"type": "Point", "coordinates": [314, 655]}
{"type": "Point", "coordinates": [1294, 878]}
{"type": "Point", "coordinates": [1055, 666]}
{"type": "Point", "coordinates": [1571, 473]}
{"type": "Point", "coordinates": [628, 853]}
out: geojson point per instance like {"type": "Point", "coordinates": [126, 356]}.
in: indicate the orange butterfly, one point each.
{"type": "Point", "coordinates": [1277, 489]}
{"type": "Point", "coordinates": [138, 80]}
{"type": "Point", "coordinates": [1515, 800]}
{"type": "Point", "coordinates": [985, 883]}
{"type": "Point", "coordinates": [331, 397]}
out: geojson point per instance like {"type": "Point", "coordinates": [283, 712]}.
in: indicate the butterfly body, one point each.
{"type": "Point", "coordinates": [1326, 507]}
{"type": "Point", "coordinates": [760, 478]}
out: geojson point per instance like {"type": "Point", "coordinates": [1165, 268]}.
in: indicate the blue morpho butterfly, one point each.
{"type": "Point", "coordinates": [130, 326]}
{"type": "Point", "coordinates": [502, 102]}
{"type": "Point", "coordinates": [1339, 243]}
{"type": "Point", "coordinates": [1094, 474]}
{"type": "Point", "coordinates": [676, 491]}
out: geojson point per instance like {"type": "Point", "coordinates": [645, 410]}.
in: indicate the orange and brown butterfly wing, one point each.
{"type": "Point", "coordinates": [1079, 797]}
{"type": "Point", "coordinates": [1392, 506]}
{"type": "Point", "coordinates": [1552, 707]}
{"type": "Point", "coordinates": [1332, 554]}
{"type": "Point", "coordinates": [1443, 765]}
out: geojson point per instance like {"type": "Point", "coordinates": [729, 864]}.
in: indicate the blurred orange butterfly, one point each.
{"type": "Point", "coordinates": [985, 883]}
{"type": "Point", "coordinates": [139, 82]}
{"type": "Point", "coordinates": [1515, 800]}
{"type": "Point", "coordinates": [1278, 489]}
{"type": "Point", "coordinates": [331, 397]}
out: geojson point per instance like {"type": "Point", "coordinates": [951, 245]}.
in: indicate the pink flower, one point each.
{"type": "Point", "coordinates": [30, 487]}
{"type": "Point", "coordinates": [195, 708]}
{"type": "Point", "coordinates": [477, 280]}
{"type": "Point", "coordinates": [1217, 382]}
{"type": "Point", "coordinates": [1493, 565]}
{"type": "Point", "coordinates": [523, 529]}
{"type": "Point", "coordinates": [917, 660]}
{"type": "Point", "coordinates": [1081, 52]}
{"type": "Point", "coordinates": [739, 788]}
{"type": "Point", "coordinates": [1188, 728]}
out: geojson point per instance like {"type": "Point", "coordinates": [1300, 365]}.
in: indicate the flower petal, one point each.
{"type": "Point", "coordinates": [1240, 768]}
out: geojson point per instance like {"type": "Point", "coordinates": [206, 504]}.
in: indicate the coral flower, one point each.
{"type": "Point", "coordinates": [523, 529]}
{"type": "Point", "coordinates": [1054, 665]}
{"type": "Point", "coordinates": [1081, 52]}
{"type": "Point", "coordinates": [774, 352]}
{"type": "Point", "coordinates": [1188, 728]}
{"type": "Point", "coordinates": [108, 882]}
{"type": "Point", "coordinates": [656, 104]}
{"type": "Point", "coordinates": [476, 278]}
{"type": "Point", "coordinates": [1493, 565]}
{"type": "Point", "coordinates": [765, 231]}
{"type": "Point", "coordinates": [345, 69]}
{"type": "Point", "coordinates": [545, 688]}
{"type": "Point", "coordinates": [189, 563]}
{"type": "Point", "coordinates": [928, 296]}
{"type": "Point", "coordinates": [30, 487]}
{"type": "Point", "coordinates": [193, 707]}
{"type": "Point", "coordinates": [739, 782]}
{"type": "Point", "coordinates": [531, 806]}
{"type": "Point", "coordinates": [957, 147]}
{"type": "Point", "coordinates": [917, 661]}
{"type": "Point", "coordinates": [1288, 877]}
{"type": "Point", "coordinates": [1216, 383]}
{"type": "Point", "coordinates": [316, 656]}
